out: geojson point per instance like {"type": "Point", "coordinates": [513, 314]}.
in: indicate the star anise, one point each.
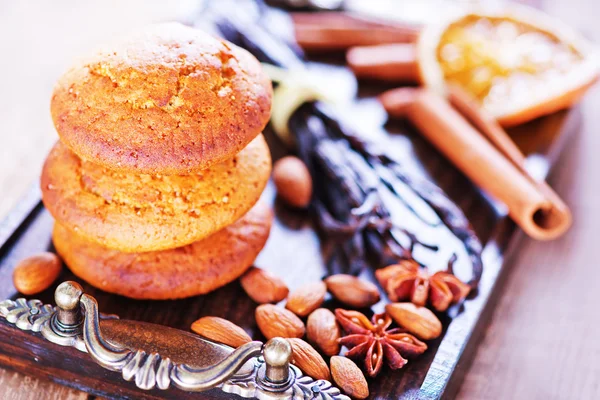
{"type": "Point", "coordinates": [409, 281]}
{"type": "Point", "coordinates": [372, 342]}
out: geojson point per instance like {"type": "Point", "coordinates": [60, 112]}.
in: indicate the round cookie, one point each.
{"type": "Point", "coordinates": [137, 213]}
{"type": "Point", "coordinates": [169, 100]}
{"type": "Point", "coordinates": [187, 271]}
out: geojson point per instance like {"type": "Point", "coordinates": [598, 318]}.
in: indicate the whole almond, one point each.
{"type": "Point", "coordinates": [305, 357]}
{"type": "Point", "coordinates": [292, 181]}
{"type": "Point", "coordinates": [306, 298]}
{"type": "Point", "coordinates": [352, 291]}
{"type": "Point", "coordinates": [263, 287]}
{"type": "Point", "coordinates": [419, 321]}
{"type": "Point", "coordinates": [221, 330]}
{"type": "Point", "coordinates": [323, 331]}
{"type": "Point", "coordinates": [275, 321]}
{"type": "Point", "coordinates": [37, 273]}
{"type": "Point", "coordinates": [348, 377]}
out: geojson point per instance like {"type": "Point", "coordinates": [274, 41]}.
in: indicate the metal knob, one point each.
{"type": "Point", "coordinates": [68, 313]}
{"type": "Point", "coordinates": [277, 354]}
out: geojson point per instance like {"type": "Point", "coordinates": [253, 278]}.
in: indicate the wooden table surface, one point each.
{"type": "Point", "coordinates": [542, 341]}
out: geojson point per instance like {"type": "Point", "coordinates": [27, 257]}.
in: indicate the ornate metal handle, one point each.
{"type": "Point", "coordinates": [157, 356]}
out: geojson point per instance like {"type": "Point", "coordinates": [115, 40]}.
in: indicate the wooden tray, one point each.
{"type": "Point", "coordinates": [292, 253]}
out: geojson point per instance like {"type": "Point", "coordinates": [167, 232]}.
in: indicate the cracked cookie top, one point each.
{"type": "Point", "coordinates": [143, 212]}
{"type": "Point", "coordinates": [167, 100]}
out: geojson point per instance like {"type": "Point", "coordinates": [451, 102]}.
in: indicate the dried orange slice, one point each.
{"type": "Point", "coordinates": [518, 63]}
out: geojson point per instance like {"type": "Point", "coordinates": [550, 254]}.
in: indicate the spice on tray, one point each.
{"type": "Point", "coordinates": [352, 291]}
{"type": "Point", "coordinates": [396, 62]}
{"type": "Point", "coordinates": [534, 207]}
{"type": "Point", "coordinates": [354, 182]}
{"type": "Point", "coordinates": [36, 273]}
{"type": "Point", "coordinates": [263, 287]}
{"type": "Point", "coordinates": [292, 181]}
{"type": "Point", "coordinates": [330, 31]}
{"type": "Point", "coordinates": [419, 321]}
{"type": "Point", "coordinates": [349, 377]}
{"type": "Point", "coordinates": [407, 280]}
{"type": "Point", "coordinates": [372, 343]}
{"type": "Point", "coordinates": [305, 357]}
{"type": "Point", "coordinates": [276, 321]}
{"type": "Point", "coordinates": [468, 50]}
{"type": "Point", "coordinates": [323, 331]}
{"type": "Point", "coordinates": [306, 298]}
{"type": "Point", "coordinates": [551, 60]}
{"type": "Point", "coordinates": [221, 330]}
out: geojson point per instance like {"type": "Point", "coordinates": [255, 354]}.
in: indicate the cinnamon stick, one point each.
{"type": "Point", "coordinates": [334, 31]}
{"type": "Point", "coordinates": [489, 126]}
{"type": "Point", "coordinates": [532, 205]}
{"type": "Point", "coordinates": [486, 124]}
{"type": "Point", "coordinates": [388, 62]}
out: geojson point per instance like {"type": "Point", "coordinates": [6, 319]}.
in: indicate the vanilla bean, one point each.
{"type": "Point", "coordinates": [445, 208]}
{"type": "Point", "coordinates": [351, 176]}
{"type": "Point", "coordinates": [349, 182]}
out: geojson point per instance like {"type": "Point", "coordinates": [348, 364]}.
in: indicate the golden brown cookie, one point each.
{"type": "Point", "coordinates": [169, 99]}
{"type": "Point", "coordinates": [137, 213]}
{"type": "Point", "coordinates": [187, 271]}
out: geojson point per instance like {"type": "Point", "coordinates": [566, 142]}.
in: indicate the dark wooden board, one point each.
{"type": "Point", "coordinates": [293, 253]}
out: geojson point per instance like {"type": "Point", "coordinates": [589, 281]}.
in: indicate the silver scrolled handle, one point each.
{"type": "Point", "coordinates": [105, 354]}
{"type": "Point", "coordinates": [194, 380]}
{"type": "Point", "coordinates": [154, 356]}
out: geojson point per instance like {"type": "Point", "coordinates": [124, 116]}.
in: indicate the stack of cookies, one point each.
{"type": "Point", "coordinates": [155, 180]}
